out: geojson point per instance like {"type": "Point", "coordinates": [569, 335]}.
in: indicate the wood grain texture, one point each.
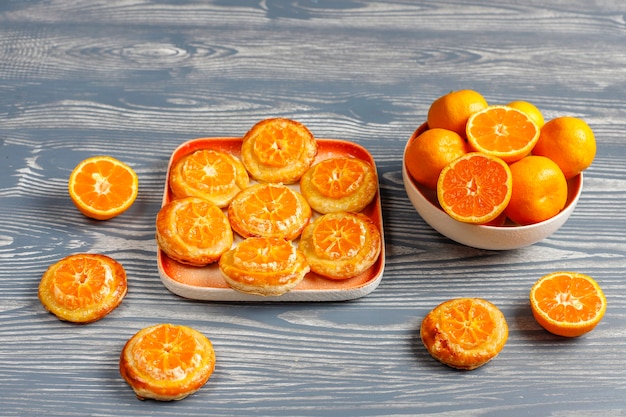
{"type": "Point", "coordinates": [134, 79]}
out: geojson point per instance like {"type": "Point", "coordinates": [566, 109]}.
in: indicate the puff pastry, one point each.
{"type": "Point", "coordinates": [270, 210]}
{"type": "Point", "coordinates": [341, 245]}
{"type": "Point", "coordinates": [167, 362]}
{"type": "Point", "coordinates": [444, 332]}
{"type": "Point", "coordinates": [193, 231]}
{"type": "Point", "coordinates": [278, 150]}
{"type": "Point", "coordinates": [83, 288]}
{"type": "Point", "coordinates": [267, 266]}
{"type": "Point", "coordinates": [211, 174]}
{"type": "Point", "coordinates": [339, 184]}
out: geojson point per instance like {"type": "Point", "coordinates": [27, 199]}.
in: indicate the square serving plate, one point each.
{"type": "Point", "coordinates": [206, 283]}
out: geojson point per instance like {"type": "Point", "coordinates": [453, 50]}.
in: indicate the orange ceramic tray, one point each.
{"type": "Point", "coordinates": [206, 283]}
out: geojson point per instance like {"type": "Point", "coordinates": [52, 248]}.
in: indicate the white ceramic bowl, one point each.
{"type": "Point", "coordinates": [509, 236]}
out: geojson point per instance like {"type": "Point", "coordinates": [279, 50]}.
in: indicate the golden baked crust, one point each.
{"type": "Point", "coordinates": [265, 209]}
{"type": "Point", "coordinates": [341, 245]}
{"type": "Point", "coordinates": [339, 184]}
{"type": "Point", "coordinates": [464, 333]}
{"type": "Point", "coordinates": [278, 150]}
{"type": "Point", "coordinates": [83, 288]}
{"type": "Point", "coordinates": [147, 358]}
{"type": "Point", "coordinates": [214, 175]}
{"type": "Point", "coordinates": [268, 266]}
{"type": "Point", "coordinates": [193, 231]}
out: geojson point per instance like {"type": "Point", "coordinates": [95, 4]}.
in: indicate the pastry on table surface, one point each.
{"type": "Point", "coordinates": [341, 245]}
{"type": "Point", "coordinates": [83, 287]}
{"type": "Point", "coordinates": [167, 362]}
{"type": "Point", "coordinates": [464, 333]}
{"type": "Point", "coordinates": [265, 209]}
{"type": "Point", "coordinates": [267, 266]}
{"type": "Point", "coordinates": [278, 150]}
{"type": "Point", "coordinates": [339, 184]}
{"type": "Point", "coordinates": [193, 231]}
{"type": "Point", "coordinates": [211, 174]}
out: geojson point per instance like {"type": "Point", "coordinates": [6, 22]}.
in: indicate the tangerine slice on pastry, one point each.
{"type": "Point", "coordinates": [341, 245]}
{"type": "Point", "coordinates": [269, 210]}
{"type": "Point", "coordinates": [193, 231]}
{"type": "Point", "coordinates": [339, 184]}
{"type": "Point", "coordinates": [278, 150]}
{"type": "Point", "coordinates": [214, 175]}
{"type": "Point", "coordinates": [167, 362]}
{"type": "Point", "coordinates": [268, 266]}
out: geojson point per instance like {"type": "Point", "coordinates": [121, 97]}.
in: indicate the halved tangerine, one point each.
{"type": "Point", "coordinates": [464, 333]}
{"type": "Point", "coordinates": [167, 362]}
{"type": "Point", "coordinates": [268, 266]}
{"type": "Point", "coordinates": [475, 188]}
{"type": "Point", "coordinates": [502, 131]}
{"type": "Point", "coordinates": [211, 174]}
{"type": "Point", "coordinates": [269, 210]}
{"type": "Point", "coordinates": [341, 245]}
{"type": "Point", "coordinates": [83, 288]}
{"type": "Point", "coordinates": [193, 231]}
{"type": "Point", "coordinates": [102, 187]}
{"type": "Point", "coordinates": [567, 303]}
{"type": "Point", "coordinates": [278, 150]}
{"type": "Point", "coordinates": [339, 184]}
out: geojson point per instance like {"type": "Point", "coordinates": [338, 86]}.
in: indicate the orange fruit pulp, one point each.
{"type": "Point", "coordinates": [539, 190]}
{"type": "Point", "coordinates": [102, 187]}
{"type": "Point", "coordinates": [83, 288]}
{"type": "Point", "coordinates": [475, 188]}
{"type": "Point", "coordinates": [502, 131]}
{"type": "Point", "coordinates": [338, 177]}
{"type": "Point", "coordinates": [567, 303]}
{"type": "Point", "coordinates": [530, 109]}
{"type": "Point", "coordinates": [452, 110]}
{"type": "Point", "coordinates": [428, 153]}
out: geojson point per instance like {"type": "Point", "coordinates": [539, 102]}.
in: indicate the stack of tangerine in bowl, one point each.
{"type": "Point", "coordinates": [495, 176]}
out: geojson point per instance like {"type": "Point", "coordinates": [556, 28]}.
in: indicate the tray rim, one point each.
{"type": "Point", "coordinates": [296, 295]}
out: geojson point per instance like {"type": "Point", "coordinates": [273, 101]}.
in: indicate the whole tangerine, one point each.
{"type": "Point", "coordinates": [539, 190]}
{"type": "Point", "coordinates": [428, 153]}
{"type": "Point", "coordinates": [568, 141]}
{"type": "Point", "coordinates": [452, 110]}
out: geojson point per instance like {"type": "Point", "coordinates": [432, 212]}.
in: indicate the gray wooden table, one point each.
{"type": "Point", "coordinates": [134, 79]}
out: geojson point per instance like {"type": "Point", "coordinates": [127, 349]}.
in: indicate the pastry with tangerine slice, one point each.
{"type": "Point", "coordinates": [193, 231]}
{"type": "Point", "coordinates": [265, 209]}
{"type": "Point", "coordinates": [339, 184]}
{"type": "Point", "coordinates": [83, 288]}
{"type": "Point", "coordinates": [267, 266]}
{"type": "Point", "coordinates": [167, 362]}
{"type": "Point", "coordinates": [341, 245]}
{"type": "Point", "coordinates": [464, 333]}
{"type": "Point", "coordinates": [211, 174]}
{"type": "Point", "coordinates": [278, 150]}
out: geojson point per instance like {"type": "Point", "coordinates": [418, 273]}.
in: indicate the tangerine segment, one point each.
{"type": "Point", "coordinates": [339, 184]}
{"type": "Point", "coordinates": [278, 150]}
{"type": "Point", "coordinates": [475, 188]}
{"type": "Point", "coordinates": [269, 210]}
{"type": "Point", "coordinates": [502, 131]}
{"type": "Point", "coordinates": [214, 175]}
{"type": "Point", "coordinates": [464, 333]}
{"type": "Point", "coordinates": [102, 187]}
{"type": "Point", "coordinates": [83, 288]}
{"type": "Point", "coordinates": [567, 303]}
{"type": "Point", "coordinates": [193, 231]}
{"type": "Point", "coordinates": [167, 362]}
{"type": "Point", "coordinates": [341, 245]}
{"type": "Point", "coordinates": [267, 266]}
